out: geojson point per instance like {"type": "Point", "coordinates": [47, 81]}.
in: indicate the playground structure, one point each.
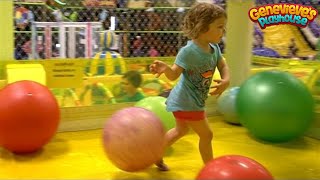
{"type": "Point", "coordinates": [70, 36]}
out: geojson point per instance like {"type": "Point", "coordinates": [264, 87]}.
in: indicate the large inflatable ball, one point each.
{"type": "Point", "coordinates": [233, 167]}
{"type": "Point", "coordinates": [29, 116]}
{"type": "Point", "coordinates": [157, 105]}
{"type": "Point", "coordinates": [275, 106]}
{"type": "Point", "coordinates": [227, 105]}
{"type": "Point", "coordinates": [133, 139]}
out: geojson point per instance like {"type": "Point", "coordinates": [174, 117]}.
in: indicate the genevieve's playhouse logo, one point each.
{"type": "Point", "coordinates": [275, 14]}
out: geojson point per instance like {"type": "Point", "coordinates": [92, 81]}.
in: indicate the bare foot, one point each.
{"type": "Point", "coordinates": [162, 166]}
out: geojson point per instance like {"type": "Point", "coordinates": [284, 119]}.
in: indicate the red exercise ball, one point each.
{"type": "Point", "coordinates": [234, 167]}
{"type": "Point", "coordinates": [29, 116]}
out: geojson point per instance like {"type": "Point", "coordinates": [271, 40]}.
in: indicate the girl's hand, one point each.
{"type": "Point", "coordinates": [220, 87]}
{"type": "Point", "coordinates": [158, 67]}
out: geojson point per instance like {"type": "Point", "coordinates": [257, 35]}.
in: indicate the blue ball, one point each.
{"type": "Point", "coordinates": [227, 105]}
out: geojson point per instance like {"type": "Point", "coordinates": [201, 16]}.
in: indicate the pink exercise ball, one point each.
{"type": "Point", "coordinates": [133, 139]}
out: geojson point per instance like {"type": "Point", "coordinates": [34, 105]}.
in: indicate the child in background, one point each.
{"type": "Point", "coordinates": [100, 94]}
{"type": "Point", "coordinates": [130, 84]}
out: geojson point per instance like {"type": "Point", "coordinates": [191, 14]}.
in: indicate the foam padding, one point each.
{"type": "Point", "coordinates": [32, 72]}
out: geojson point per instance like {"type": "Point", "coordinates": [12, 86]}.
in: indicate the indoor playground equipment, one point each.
{"type": "Point", "coordinates": [150, 87]}
{"type": "Point", "coordinates": [109, 40]}
{"type": "Point", "coordinates": [78, 150]}
{"type": "Point", "coordinates": [271, 40]}
{"type": "Point", "coordinates": [66, 97]}
{"type": "Point", "coordinates": [71, 35]}
{"type": "Point", "coordinates": [99, 94]}
{"type": "Point", "coordinates": [34, 72]}
{"type": "Point", "coordinates": [156, 86]}
{"type": "Point", "coordinates": [106, 63]}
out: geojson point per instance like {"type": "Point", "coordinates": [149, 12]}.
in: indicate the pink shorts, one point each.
{"type": "Point", "coordinates": [189, 115]}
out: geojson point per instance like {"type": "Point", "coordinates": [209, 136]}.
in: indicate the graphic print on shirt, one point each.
{"type": "Point", "coordinates": [201, 78]}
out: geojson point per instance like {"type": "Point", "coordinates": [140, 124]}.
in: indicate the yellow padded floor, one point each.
{"type": "Point", "coordinates": [79, 155]}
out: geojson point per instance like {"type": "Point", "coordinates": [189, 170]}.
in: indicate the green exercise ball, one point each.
{"type": "Point", "coordinates": [275, 106]}
{"type": "Point", "coordinates": [156, 104]}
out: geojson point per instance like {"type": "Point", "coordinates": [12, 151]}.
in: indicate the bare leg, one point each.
{"type": "Point", "coordinates": [176, 133]}
{"type": "Point", "coordinates": [205, 134]}
{"type": "Point", "coordinates": [172, 136]}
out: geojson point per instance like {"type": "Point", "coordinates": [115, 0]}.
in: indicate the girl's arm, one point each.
{"type": "Point", "coordinates": [223, 70]}
{"type": "Point", "coordinates": [159, 67]}
{"type": "Point", "coordinates": [173, 72]}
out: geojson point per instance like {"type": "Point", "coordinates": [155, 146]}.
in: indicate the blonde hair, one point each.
{"type": "Point", "coordinates": [199, 17]}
